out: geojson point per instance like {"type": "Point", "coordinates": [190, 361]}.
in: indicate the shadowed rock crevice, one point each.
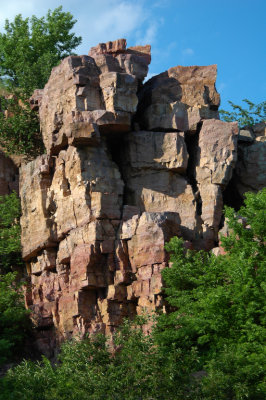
{"type": "Point", "coordinates": [99, 207]}
{"type": "Point", "coordinates": [192, 142]}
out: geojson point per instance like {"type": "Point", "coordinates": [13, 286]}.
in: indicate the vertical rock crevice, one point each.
{"type": "Point", "coordinates": [95, 223]}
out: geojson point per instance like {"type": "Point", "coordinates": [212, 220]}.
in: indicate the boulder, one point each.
{"type": "Point", "coordinates": [179, 99]}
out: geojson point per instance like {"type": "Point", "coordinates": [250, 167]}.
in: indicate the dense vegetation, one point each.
{"type": "Point", "coordinates": [208, 347]}
{"type": "Point", "coordinates": [29, 49]}
{"type": "Point", "coordinates": [245, 116]}
{"type": "Point", "coordinates": [14, 318]}
{"type": "Point", "coordinates": [10, 248]}
{"type": "Point", "coordinates": [220, 306]}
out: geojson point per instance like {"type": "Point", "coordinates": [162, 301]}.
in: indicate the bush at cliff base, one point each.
{"type": "Point", "coordinates": [208, 347]}
{"type": "Point", "coordinates": [219, 306]}
{"type": "Point", "coordinates": [14, 321]}
{"type": "Point", "coordinates": [88, 370]}
{"type": "Point", "coordinates": [10, 248]}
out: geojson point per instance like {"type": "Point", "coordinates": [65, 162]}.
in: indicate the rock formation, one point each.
{"type": "Point", "coordinates": [128, 166]}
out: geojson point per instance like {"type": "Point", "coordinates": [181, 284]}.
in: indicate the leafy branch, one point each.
{"type": "Point", "coordinates": [255, 113]}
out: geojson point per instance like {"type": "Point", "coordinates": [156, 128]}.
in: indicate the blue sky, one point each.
{"type": "Point", "coordinates": [230, 33]}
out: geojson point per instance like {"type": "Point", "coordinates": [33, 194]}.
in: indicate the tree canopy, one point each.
{"type": "Point", "coordinates": [14, 318]}
{"type": "Point", "coordinates": [10, 247]}
{"type": "Point", "coordinates": [31, 47]}
{"type": "Point", "coordinates": [251, 115]}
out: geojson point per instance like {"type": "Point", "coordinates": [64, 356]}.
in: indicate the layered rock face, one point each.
{"type": "Point", "coordinates": [127, 167]}
{"type": "Point", "coordinates": [250, 172]}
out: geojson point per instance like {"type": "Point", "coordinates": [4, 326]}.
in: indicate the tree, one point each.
{"type": "Point", "coordinates": [88, 369]}
{"type": "Point", "coordinates": [218, 306]}
{"type": "Point", "coordinates": [14, 321]}
{"type": "Point", "coordinates": [19, 128]}
{"type": "Point", "coordinates": [31, 47]}
{"type": "Point", "coordinates": [10, 247]}
{"type": "Point", "coordinates": [253, 114]}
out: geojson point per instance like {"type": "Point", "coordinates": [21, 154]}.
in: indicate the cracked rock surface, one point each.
{"type": "Point", "coordinates": [128, 166]}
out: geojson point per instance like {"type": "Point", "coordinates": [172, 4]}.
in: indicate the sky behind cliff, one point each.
{"type": "Point", "coordinates": [230, 33]}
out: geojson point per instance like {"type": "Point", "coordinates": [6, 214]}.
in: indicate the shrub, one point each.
{"type": "Point", "coordinates": [245, 116]}
{"type": "Point", "coordinates": [10, 247]}
{"type": "Point", "coordinates": [20, 128]}
{"type": "Point", "coordinates": [219, 306]}
{"type": "Point", "coordinates": [89, 370]}
{"type": "Point", "coordinates": [14, 322]}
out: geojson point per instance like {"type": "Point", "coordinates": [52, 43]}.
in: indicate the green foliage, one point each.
{"type": "Point", "coordinates": [31, 47]}
{"type": "Point", "coordinates": [20, 131]}
{"type": "Point", "coordinates": [219, 306]}
{"type": "Point", "coordinates": [89, 370]}
{"type": "Point", "coordinates": [10, 248]}
{"type": "Point", "coordinates": [253, 114]}
{"type": "Point", "coordinates": [14, 322]}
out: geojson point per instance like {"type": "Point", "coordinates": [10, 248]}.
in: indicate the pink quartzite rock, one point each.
{"type": "Point", "coordinates": [250, 172]}
{"type": "Point", "coordinates": [98, 209]}
{"type": "Point", "coordinates": [37, 230]}
{"type": "Point", "coordinates": [154, 164]}
{"type": "Point", "coordinates": [100, 89]}
{"type": "Point", "coordinates": [179, 99]}
{"type": "Point", "coordinates": [216, 158]}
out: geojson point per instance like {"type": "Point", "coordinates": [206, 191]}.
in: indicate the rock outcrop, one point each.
{"type": "Point", "coordinates": [250, 171]}
{"type": "Point", "coordinates": [249, 174]}
{"type": "Point", "coordinates": [128, 166]}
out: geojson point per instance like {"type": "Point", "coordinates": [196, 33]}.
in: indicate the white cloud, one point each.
{"type": "Point", "coordinates": [148, 36]}
{"type": "Point", "coordinates": [120, 20]}
{"type": "Point", "coordinates": [221, 87]}
{"type": "Point", "coordinates": [97, 20]}
{"type": "Point", "coordinates": [188, 52]}
{"type": "Point", "coordinates": [165, 52]}
{"type": "Point", "coordinates": [161, 3]}
{"type": "Point", "coordinates": [11, 8]}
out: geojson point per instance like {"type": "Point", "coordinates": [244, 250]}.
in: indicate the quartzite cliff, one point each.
{"type": "Point", "coordinates": [128, 166]}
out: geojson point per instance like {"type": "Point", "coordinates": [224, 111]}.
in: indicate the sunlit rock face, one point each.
{"type": "Point", "coordinates": [179, 99]}
{"type": "Point", "coordinates": [128, 166]}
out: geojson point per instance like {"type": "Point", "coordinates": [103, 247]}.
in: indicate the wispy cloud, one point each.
{"type": "Point", "coordinates": [99, 24]}
{"type": "Point", "coordinates": [161, 3]}
{"type": "Point", "coordinates": [147, 36]}
{"type": "Point", "coordinates": [188, 52]}
{"type": "Point", "coordinates": [221, 87]}
{"type": "Point", "coordinates": [97, 20]}
{"type": "Point", "coordinates": [165, 52]}
{"type": "Point", "coordinates": [11, 8]}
